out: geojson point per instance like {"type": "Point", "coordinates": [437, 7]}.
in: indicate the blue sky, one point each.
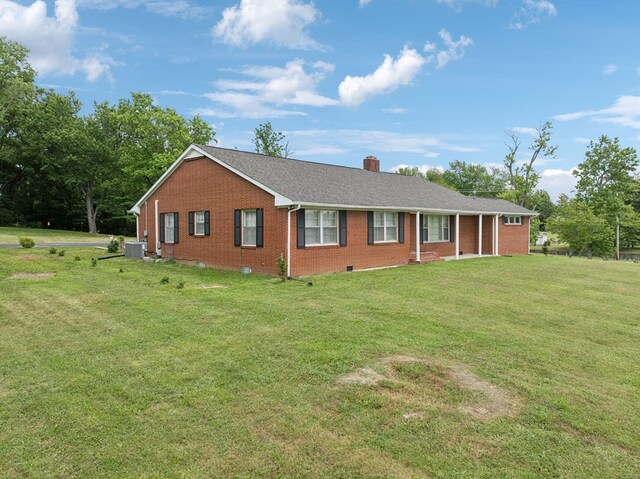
{"type": "Point", "coordinates": [413, 82]}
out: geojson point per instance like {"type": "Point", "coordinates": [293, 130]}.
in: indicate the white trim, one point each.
{"type": "Point", "coordinates": [405, 209]}
{"type": "Point", "coordinates": [157, 238]}
{"type": "Point", "coordinates": [458, 236]}
{"type": "Point", "coordinates": [321, 228]}
{"type": "Point", "coordinates": [529, 236]}
{"type": "Point", "coordinates": [195, 223]}
{"type": "Point", "coordinates": [384, 227]}
{"type": "Point", "coordinates": [194, 152]}
{"type": "Point", "coordinates": [242, 227]}
{"type": "Point", "coordinates": [442, 225]}
{"type": "Point", "coordinates": [480, 235]}
{"type": "Point", "coordinates": [137, 227]}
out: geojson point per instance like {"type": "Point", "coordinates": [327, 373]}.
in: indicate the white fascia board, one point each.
{"type": "Point", "coordinates": [194, 152]}
{"type": "Point", "coordinates": [411, 210]}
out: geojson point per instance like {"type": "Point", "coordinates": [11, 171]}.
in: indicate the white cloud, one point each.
{"type": "Point", "coordinates": [525, 130]}
{"type": "Point", "coordinates": [625, 112]}
{"type": "Point", "coordinates": [173, 8]}
{"type": "Point", "coordinates": [271, 86]}
{"type": "Point", "coordinates": [557, 182]}
{"type": "Point", "coordinates": [382, 141]}
{"type": "Point", "coordinates": [457, 4]}
{"type": "Point", "coordinates": [363, 3]}
{"type": "Point", "coordinates": [279, 22]}
{"type": "Point", "coordinates": [609, 69]}
{"type": "Point", "coordinates": [321, 150]}
{"type": "Point", "coordinates": [50, 39]}
{"type": "Point", "coordinates": [421, 168]}
{"type": "Point", "coordinates": [582, 140]}
{"type": "Point", "coordinates": [395, 110]}
{"type": "Point", "coordinates": [387, 77]}
{"type": "Point", "coordinates": [531, 12]}
{"type": "Point", "coordinates": [454, 50]}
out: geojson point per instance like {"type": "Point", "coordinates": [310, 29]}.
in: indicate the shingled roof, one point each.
{"type": "Point", "coordinates": [308, 183]}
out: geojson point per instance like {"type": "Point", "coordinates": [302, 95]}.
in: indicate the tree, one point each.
{"type": "Point", "coordinates": [577, 225]}
{"type": "Point", "coordinates": [433, 175]}
{"type": "Point", "coordinates": [523, 178]}
{"type": "Point", "coordinates": [475, 180]}
{"type": "Point", "coordinates": [270, 142]}
{"type": "Point", "coordinates": [606, 183]}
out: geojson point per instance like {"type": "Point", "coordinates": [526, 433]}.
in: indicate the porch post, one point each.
{"type": "Point", "coordinates": [529, 240]}
{"type": "Point", "coordinates": [417, 236]}
{"type": "Point", "coordinates": [480, 235]}
{"type": "Point", "coordinates": [457, 235]}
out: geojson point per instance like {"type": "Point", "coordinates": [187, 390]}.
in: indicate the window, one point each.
{"type": "Point", "coordinates": [320, 227]}
{"type": "Point", "coordinates": [198, 220]}
{"type": "Point", "coordinates": [169, 228]}
{"type": "Point", "coordinates": [249, 227]}
{"type": "Point", "coordinates": [385, 227]}
{"type": "Point", "coordinates": [512, 220]}
{"type": "Point", "coordinates": [435, 228]}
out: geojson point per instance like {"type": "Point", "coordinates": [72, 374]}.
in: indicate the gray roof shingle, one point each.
{"type": "Point", "coordinates": [307, 182]}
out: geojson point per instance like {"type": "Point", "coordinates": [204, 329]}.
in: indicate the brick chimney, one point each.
{"type": "Point", "coordinates": [371, 163]}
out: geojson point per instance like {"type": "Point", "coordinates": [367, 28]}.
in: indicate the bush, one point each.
{"type": "Point", "coordinates": [180, 284]}
{"type": "Point", "coordinates": [26, 242]}
{"type": "Point", "coordinates": [94, 262]}
{"type": "Point", "coordinates": [545, 247]}
{"type": "Point", "coordinates": [113, 246]}
{"type": "Point", "coordinates": [52, 251]}
{"type": "Point", "coordinates": [282, 267]}
{"type": "Point", "coordinates": [164, 279]}
{"type": "Point", "coordinates": [61, 253]}
{"type": "Point", "coordinates": [77, 258]}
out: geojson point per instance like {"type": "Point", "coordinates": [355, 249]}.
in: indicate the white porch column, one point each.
{"type": "Point", "coordinates": [497, 238]}
{"type": "Point", "coordinates": [157, 238]}
{"type": "Point", "coordinates": [457, 235]}
{"type": "Point", "coordinates": [529, 237]}
{"type": "Point", "coordinates": [137, 226]}
{"type": "Point", "coordinates": [480, 235]}
{"type": "Point", "coordinates": [417, 236]}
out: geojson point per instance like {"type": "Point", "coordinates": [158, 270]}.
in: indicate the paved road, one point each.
{"type": "Point", "coordinates": [55, 245]}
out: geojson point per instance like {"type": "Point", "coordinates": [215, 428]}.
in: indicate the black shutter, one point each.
{"type": "Point", "coordinates": [370, 233]}
{"type": "Point", "coordinates": [175, 228]}
{"type": "Point", "coordinates": [343, 227]}
{"type": "Point", "coordinates": [237, 236]}
{"type": "Point", "coordinates": [162, 228]}
{"type": "Point", "coordinates": [300, 228]}
{"type": "Point", "coordinates": [504, 220]}
{"type": "Point", "coordinates": [259, 229]}
{"type": "Point", "coordinates": [400, 227]}
{"type": "Point", "coordinates": [452, 228]}
{"type": "Point", "coordinates": [191, 228]}
{"type": "Point", "coordinates": [207, 223]}
{"type": "Point", "coordinates": [422, 229]}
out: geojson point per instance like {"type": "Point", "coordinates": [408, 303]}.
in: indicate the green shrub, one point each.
{"type": "Point", "coordinates": [27, 242]}
{"type": "Point", "coordinates": [52, 251]}
{"type": "Point", "coordinates": [282, 267]}
{"type": "Point", "coordinates": [113, 246]}
{"type": "Point", "coordinates": [94, 262]}
{"type": "Point", "coordinates": [164, 279]}
{"type": "Point", "coordinates": [77, 258]}
{"type": "Point", "coordinates": [61, 253]}
{"type": "Point", "coordinates": [545, 247]}
{"type": "Point", "coordinates": [180, 284]}
{"type": "Point", "coordinates": [121, 271]}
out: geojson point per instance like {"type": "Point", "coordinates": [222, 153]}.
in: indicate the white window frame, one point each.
{"type": "Point", "coordinates": [198, 221]}
{"type": "Point", "coordinates": [254, 227]}
{"type": "Point", "coordinates": [444, 227]}
{"type": "Point", "coordinates": [513, 220]}
{"type": "Point", "coordinates": [169, 228]}
{"type": "Point", "coordinates": [386, 225]}
{"type": "Point", "coordinates": [322, 226]}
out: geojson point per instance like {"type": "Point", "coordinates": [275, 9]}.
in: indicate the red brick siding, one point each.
{"type": "Point", "coordinates": [357, 253]}
{"type": "Point", "coordinates": [202, 184]}
{"type": "Point", "coordinates": [514, 239]}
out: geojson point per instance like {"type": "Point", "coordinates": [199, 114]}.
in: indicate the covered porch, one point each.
{"type": "Point", "coordinates": [460, 236]}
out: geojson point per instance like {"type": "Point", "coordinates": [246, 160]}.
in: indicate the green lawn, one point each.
{"type": "Point", "coordinates": [11, 235]}
{"type": "Point", "coordinates": [112, 374]}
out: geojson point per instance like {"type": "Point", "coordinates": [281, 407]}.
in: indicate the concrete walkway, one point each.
{"type": "Point", "coordinates": [55, 245]}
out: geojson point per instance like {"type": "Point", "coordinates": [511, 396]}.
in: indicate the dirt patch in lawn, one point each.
{"type": "Point", "coordinates": [32, 276]}
{"type": "Point", "coordinates": [489, 400]}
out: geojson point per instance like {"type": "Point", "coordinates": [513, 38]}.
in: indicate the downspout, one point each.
{"type": "Point", "coordinates": [291, 210]}
{"type": "Point", "coordinates": [137, 226]}
{"type": "Point", "coordinates": [417, 236]}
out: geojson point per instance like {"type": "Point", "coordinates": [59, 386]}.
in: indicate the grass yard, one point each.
{"type": "Point", "coordinates": [520, 367]}
{"type": "Point", "coordinates": [11, 235]}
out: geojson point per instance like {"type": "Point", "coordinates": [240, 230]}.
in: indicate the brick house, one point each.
{"type": "Point", "coordinates": [233, 209]}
